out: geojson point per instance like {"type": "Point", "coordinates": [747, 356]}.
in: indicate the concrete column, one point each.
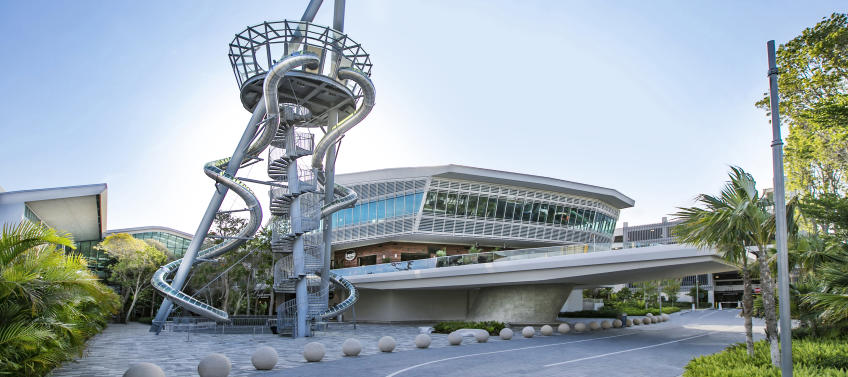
{"type": "Point", "coordinates": [536, 303]}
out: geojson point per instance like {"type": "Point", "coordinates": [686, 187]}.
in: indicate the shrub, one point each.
{"type": "Point", "coordinates": [145, 320]}
{"type": "Point", "coordinates": [811, 357]}
{"type": "Point", "coordinates": [602, 313]}
{"type": "Point", "coordinates": [615, 312]}
{"type": "Point", "coordinates": [493, 327]}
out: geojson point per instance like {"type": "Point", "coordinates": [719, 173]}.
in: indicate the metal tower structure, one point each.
{"type": "Point", "coordinates": [295, 77]}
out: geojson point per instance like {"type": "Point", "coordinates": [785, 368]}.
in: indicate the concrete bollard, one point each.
{"type": "Point", "coordinates": [144, 370]}
{"type": "Point", "coordinates": [214, 365]}
{"type": "Point", "coordinates": [636, 321]}
{"type": "Point", "coordinates": [454, 339]}
{"type": "Point", "coordinates": [313, 352]}
{"type": "Point", "coordinates": [422, 341]}
{"type": "Point", "coordinates": [481, 336]}
{"type": "Point", "coordinates": [386, 344]}
{"type": "Point", "coordinates": [580, 327]}
{"type": "Point", "coordinates": [506, 333]}
{"type": "Point", "coordinates": [629, 322]}
{"type": "Point", "coordinates": [547, 330]}
{"type": "Point", "coordinates": [563, 328]}
{"type": "Point", "coordinates": [264, 358]}
{"type": "Point", "coordinates": [351, 347]}
{"type": "Point", "coordinates": [606, 324]}
{"type": "Point", "coordinates": [616, 323]}
{"type": "Point", "coordinates": [528, 332]}
{"type": "Point", "coordinates": [594, 326]}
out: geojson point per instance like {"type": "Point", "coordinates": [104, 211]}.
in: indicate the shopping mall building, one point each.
{"type": "Point", "coordinates": [413, 213]}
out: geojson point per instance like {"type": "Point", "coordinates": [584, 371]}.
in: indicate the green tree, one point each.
{"type": "Point", "coordinates": [136, 261]}
{"type": "Point", "coordinates": [50, 303]}
{"type": "Point", "coordinates": [813, 84]}
{"type": "Point", "coordinates": [736, 219]}
{"type": "Point", "coordinates": [670, 287]}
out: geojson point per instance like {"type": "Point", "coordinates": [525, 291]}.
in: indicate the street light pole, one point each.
{"type": "Point", "coordinates": [780, 220]}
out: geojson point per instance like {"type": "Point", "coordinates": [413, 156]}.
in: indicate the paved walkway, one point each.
{"type": "Point", "coordinates": [111, 352]}
{"type": "Point", "coordinates": [655, 350]}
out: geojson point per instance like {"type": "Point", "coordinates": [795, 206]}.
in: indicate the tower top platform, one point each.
{"type": "Point", "coordinates": [256, 49]}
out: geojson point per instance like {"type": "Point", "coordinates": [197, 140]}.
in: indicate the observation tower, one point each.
{"type": "Point", "coordinates": [299, 80]}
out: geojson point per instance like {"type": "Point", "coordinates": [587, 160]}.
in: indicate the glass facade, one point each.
{"type": "Point", "coordinates": [31, 216]}
{"type": "Point", "coordinates": [439, 208]}
{"type": "Point", "coordinates": [374, 211]}
{"type": "Point", "coordinates": [176, 244]}
{"type": "Point", "coordinates": [491, 207]}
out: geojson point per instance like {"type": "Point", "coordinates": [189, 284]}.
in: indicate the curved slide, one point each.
{"type": "Point", "coordinates": [345, 197]}
{"type": "Point", "coordinates": [215, 171]}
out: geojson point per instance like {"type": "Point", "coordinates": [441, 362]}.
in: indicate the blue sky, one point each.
{"type": "Point", "coordinates": [654, 99]}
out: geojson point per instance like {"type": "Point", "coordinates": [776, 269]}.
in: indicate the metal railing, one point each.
{"type": "Point", "coordinates": [473, 258]}
{"type": "Point", "coordinates": [256, 49]}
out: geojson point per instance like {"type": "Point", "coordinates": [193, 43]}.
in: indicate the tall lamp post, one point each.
{"type": "Point", "coordinates": [780, 220]}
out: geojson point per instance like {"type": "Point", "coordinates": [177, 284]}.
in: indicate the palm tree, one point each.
{"type": "Point", "coordinates": [49, 302]}
{"type": "Point", "coordinates": [738, 220]}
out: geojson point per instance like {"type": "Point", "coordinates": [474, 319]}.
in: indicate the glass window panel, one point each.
{"type": "Point", "coordinates": [510, 208]}
{"type": "Point", "coordinates": [491, 207]}
{"type": "Point", "coordinates": [501, 209]}
{"type": "Point", "coordinates": [551, 213]}
{"type": "Point", "coordinates": [462, 205]}
{"type": "Point", "coordinates": [535, 214]}
{"type": "Point", "coordinates": [390, 207]}
{"type": "Point", "coordinates": [430, 202]}
{"type": "Point", "coordinates": [480, 211]}
{"type": "Point", "coordinates": [408, 204]}
{"type": "Point", "coordinates": [558, 215]}
{"type": "Point", "coordinates": [472, 205]}
{"type": "Point", "coordinates": [528, 211]}
{"type": "Point", "coordinates": [519, 209]}
{"type": "Point", "coordinates": [417, 204]}
{"type": "Point", "coordinates": [372, 211]}
{"type": "Point", "coordinates": [441, 198]}
{"type": "Point", "coordinates": [450, 204]}
{"type": "Point", "coordinates": [543, 213]}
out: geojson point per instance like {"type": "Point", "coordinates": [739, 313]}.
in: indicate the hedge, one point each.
{"type": "Point", "coordinates": [811, 357]}
{"type": "Point", "coordinates": [493, 327]}
{"type": "Point", "coordinates": [607, 312]}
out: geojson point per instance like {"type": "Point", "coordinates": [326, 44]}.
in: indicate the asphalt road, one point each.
{"type": "Point", "coordinates": [655, 350]}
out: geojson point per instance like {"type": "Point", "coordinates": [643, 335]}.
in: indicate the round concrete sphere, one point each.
{"type": "Point", "coordinates": [655, 319]}
{"type": "Point", "coordinates": [636, 321]}
{"type": "Point", "coordinates": [649, 315]}
{"type": "Point", "coordinates": [605, 324]}
{"type": "Point", "coordinates": [264, 358]}
{"type": "Point", "coordinates": [144, 370]}
{"type": "Point", "coordinates": [481, 336]}
{"type": "Point", "coordinates": [646, 321]}
{"type": "Point", "coordinates": [580, 327]}
{"type": "Point", "coordinates": [506, 333]}
{"type": "Point", "coordinates": [351, 347]}
{"type": "Point", "coordinates": [454, 339]}
{"type": "Point", "coordinates": [313, 352]}
{"type": "Point", "coordinates": [616, 323]}
{"type": "Point", "coordinates": [563, 328]}
{"type": "Point", "coordinates": [594, 325]}
{"type": "Point", "coordinates": [629, 322]}
{"type": "Point", "coordinates": [547, 330]}
{"type": "Point", "coordinates": [528, 332]}
{"type": "Point", "coordinates": [422, 341]}
{"type": "Point", "coordinates": [666, 317]}
{"type": "Point", "coordinates": [214, 365]}
{"type": "Point", "coordinates": [386, 344]}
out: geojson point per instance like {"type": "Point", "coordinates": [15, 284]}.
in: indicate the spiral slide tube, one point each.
{"type": "Point", "coordinates": [215, 171]}
{"type": "Point", "coordinates": [345, 197]}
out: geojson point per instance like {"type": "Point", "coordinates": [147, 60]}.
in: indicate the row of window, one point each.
{"type": "Point", "coordinates": [378, 210]}
{"type": "Point", "coordinates": [176, 244]}
{"type": "Point", "coordinates": [471, 205]}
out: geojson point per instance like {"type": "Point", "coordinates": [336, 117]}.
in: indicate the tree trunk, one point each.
{"type": "Point", "coordinates": [747, 306]}
{"type": "Point", "coordinates": [134, 298]}
{"type": "Point", "coordinates": [767, 288]}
